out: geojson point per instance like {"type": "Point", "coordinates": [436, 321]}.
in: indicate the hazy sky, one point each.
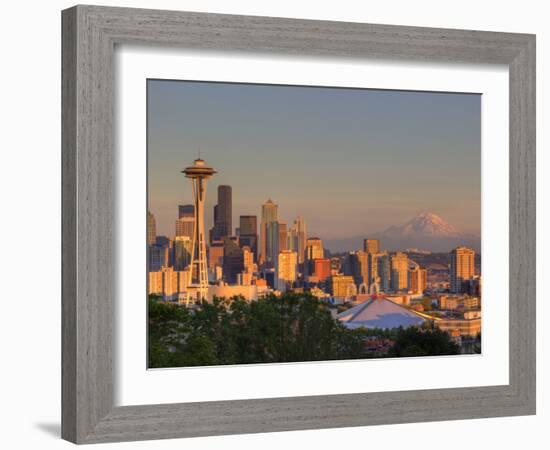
{"type": "Point", "coordinates": [350, 161]}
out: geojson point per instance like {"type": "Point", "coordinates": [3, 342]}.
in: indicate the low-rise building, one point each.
{"type": "Point", "coordinates": [343, 286]}
{"type": "Point", "coordinates": [457, 302]}
{"type": "Point", "coordinates": [465, 327]}
{"type": "Point", "coordinates": [168, 283]}
{"type": "Point", "coordinates": [248, 292]}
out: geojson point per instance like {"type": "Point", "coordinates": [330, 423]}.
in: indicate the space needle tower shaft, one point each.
{"type": "Point", "coordinates": [197, 287]}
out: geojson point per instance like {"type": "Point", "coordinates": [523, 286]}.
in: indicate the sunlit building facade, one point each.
{"type": "Point", "coordinates": [287, 268]}
{"type": "Point", "coordinates": [168, 283]}
{"type": "Point", "coordinates": [322, 268]}
{"type": "Point", "coordinates": [185, 226]}
{"type": "Point", "coordinates": [418, 280]}
{"type": "Point", "coordinates": [462, 269]}
{"type": "Point", "coordinates": [343, 286]}
{"type": "Point", "coordinates": [399, 271]}
{"type": "Point", "coordinates": [371, 245]}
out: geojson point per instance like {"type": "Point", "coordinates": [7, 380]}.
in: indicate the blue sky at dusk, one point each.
{"type": "Point", "coordinates": [350, 161]}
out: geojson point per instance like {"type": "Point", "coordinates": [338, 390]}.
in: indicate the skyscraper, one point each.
{"type": "Point", "coordinates": [383, 271]}
{"type": "Point", "coordinates": [322, 268]}
{"type": "Point", "coordinates": [399, 271]}
{"type": "Point", "coordinates": [248, 233]}
{"type": "Point", "coordinates": [223, 213]}
{"type": "Point", "coordinates": [199, 174]}
{"type": "Point", "coordinates": [314, 248]}
{"type": "Point", "coordinates": [186, 211]}
{"type": "Point", "coordinates": [157, 257]}
{"type": "Point", "coordinates": [185, 226]}
{"type": "Point", "coordinates": [418, 280]}
{"type": "Point", "coordinates": [183, 247]}
{"type": "Point", "coordinates": [248, 259]}
{"type": "Point", "coordinates": [272, 244]}
{"type": "Point", "coordinates": [215, 256]}
{"type": "Point", "coordinates": [371, 245]}
{"type": "Point", "coordinates": [151, 229]}
{"type": "Point", "coordinates": [288, 262]}
{"type": "Point", "coordinates": [373, 267]}
{"type": "Point", "coordinates": [297, 238]}
{"type": "Point", "coordinates": [356, 264]}
{"type": "Point", "coordinates": [283, 236]}
{"type": "Point", "coordinates": [248, 225]}
{"type": "Point", "coordinates": [233, 260]}
{"type": "Point", "coordinates": [269, 216]}
{"type": "Point", "coordinates": [462, 268]}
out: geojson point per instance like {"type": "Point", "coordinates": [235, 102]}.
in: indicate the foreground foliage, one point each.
{"type": "Point", "coordinates": [289, 328]}
{"type": "Point", "coordinates": [415, 342]}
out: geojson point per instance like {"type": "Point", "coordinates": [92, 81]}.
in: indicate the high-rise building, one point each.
{"type": "Point", "coordinates": [399, 271]}
{"type": "Point", "coordinates": [223, 213]}
{"type": "Point", "coordinates": [359, 262]}
{"type": "Point", "coordinates": [418, 280]}
{"type": "Point", "coordinates": [314, 248]}
{"type": "Point", "coordinates": [163, 241]}
{"type": "Point", "coordinates": [269, 215]}
{"type": "Point", "coordinates": [372, 267]}
{"type": "Point", "coordinates": [199, 174]}
{"type": "Point", "coordinates": [158, 257]}
{"type": "Point", "coordinates": [272, 244]}
{"type": "Point", "coordinates": [322, 268]}
{"type": "Point", "coordinates": [215, 257]}
{"type": "Point", "coordinates": [182, 248]}
{"type": "Point", "coordinates": [233, 261]}
{"type": "Point", "coordinates": [248, 259]}
{"type": "Point", "coordinates": [186, 211]}
{"type": "Point", "coordinates": [371, 245]}
{"type": "Point", "coordinates": [248, 225]}
{"type": "Point", "coordinates": [462, 268]}
{"type": "Point", "coordinates": [287, 273]}
{"type": "Point", "coordinates": [248, 233]}
{"type": "Point", "coordinates": [283, 236]}
{"type": "Point", "coordinates": [151, 229]}
{"type": "Point", "coordinates": [185, 226]}
{"type": "Point", "coordinates": [297, 237]}
{"type": "Point", "coordinates": [383, 269]}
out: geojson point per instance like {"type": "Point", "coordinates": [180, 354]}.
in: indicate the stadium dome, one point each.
{"type": "Point", "coordinates": [380, 312]}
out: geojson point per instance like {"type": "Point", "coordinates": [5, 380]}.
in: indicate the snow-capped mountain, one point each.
{"type": "Point", "coordinates": [426, 231]}
{"type": "Point", "coordinates": [425, 224]}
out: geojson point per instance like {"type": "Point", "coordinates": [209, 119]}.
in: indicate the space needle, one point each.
{"type": "Point", "coordinates": [199, 174]}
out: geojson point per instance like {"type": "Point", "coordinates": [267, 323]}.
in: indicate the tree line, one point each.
{"type": "Point", "coordinates": [287, 328]}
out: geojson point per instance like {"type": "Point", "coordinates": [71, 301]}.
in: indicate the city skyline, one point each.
{"type": "Point", "coordinates": [264, 243]}
{"type": "Point", "coordinates": [373, 199]}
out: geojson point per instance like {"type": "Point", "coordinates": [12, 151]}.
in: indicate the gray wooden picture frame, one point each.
{"type": "Point", "coordinates": [90, 34]}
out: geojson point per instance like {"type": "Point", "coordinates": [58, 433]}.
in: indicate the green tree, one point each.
{"type": "Point", "coordinates": [427, 304]}
{"type": "Point", "coordinates": [168, 325]}
{"type": "Point", "coordinates": [416, 342]}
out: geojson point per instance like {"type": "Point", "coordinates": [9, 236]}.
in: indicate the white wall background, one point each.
{"type": "Point", "coordinates": [31, 208]}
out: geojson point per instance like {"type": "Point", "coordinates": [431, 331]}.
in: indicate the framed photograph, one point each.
{"type": "Point", "coordinates": [278, 224]}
